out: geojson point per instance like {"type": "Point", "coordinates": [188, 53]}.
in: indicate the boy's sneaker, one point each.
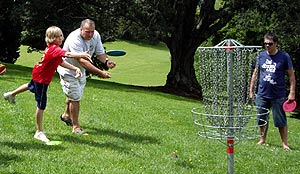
{"type": "Point", "coordinates": [41, 136]}
{"type": "Point", "coordinates": [9, 97]}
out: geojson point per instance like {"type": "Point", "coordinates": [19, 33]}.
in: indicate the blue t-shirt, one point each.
{"type": "Point", "coordinates": [272, 69]}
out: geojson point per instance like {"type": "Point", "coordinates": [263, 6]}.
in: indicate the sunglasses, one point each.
{"type": "Point", "coordinates": [268, 43]}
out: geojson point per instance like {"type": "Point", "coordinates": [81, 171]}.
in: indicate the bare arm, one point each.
{"type": "Point", "coordinates": [292, 84]}
{"type": "Point", "coordinates": [90, 67]}
{"type": "Point", "coordinates": [104, 59]}
{"type": "Point", "coordinates": [71, 67]}
{"type": "Point", "coordinates": [84, 55]}
{"type": "Point", "coordinates": [252, 82]}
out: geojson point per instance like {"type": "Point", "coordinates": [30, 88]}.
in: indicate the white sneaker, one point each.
{"type": "Point", "coordinates": [41, 136]}
{"type": "Point", "coordinates": [9, 97]}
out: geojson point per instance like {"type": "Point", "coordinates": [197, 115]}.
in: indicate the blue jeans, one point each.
{"type": "Point", "coordinates": [278, 113]}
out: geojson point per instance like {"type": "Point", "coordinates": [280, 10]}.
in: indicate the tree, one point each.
{"type": "Point", "coordinates": [278, 16]}
{"type": "Point", "coordinates": [183, 25]}
{"type": "Point", "coordinates": [10, 32]}
{"type": "Point", "coordinates": [67, 15]}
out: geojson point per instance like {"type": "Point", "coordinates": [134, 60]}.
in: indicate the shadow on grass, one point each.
{"type": "Point", "coordinates": [22, 72]}
{"type": "Point", "coordinates": [6, 160]}
{"type": "Point", "coordinates": [30, 146]}
{"type": "Point", "coordinates": [18, 70]}
{"type": "Point", "coordinates": [125, 136]}
{"type": "Point", "coordinates": [85, 140]}
{"type": "Point", "coordinates": [295, 117]}
{"type": "Point", "coordinates": [156, 90]}
{"type": "Point", "coordinates": [116, 146]}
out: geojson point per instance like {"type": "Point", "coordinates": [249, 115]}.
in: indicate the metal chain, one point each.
{"type": "Point", "coordinates": [213, 79]}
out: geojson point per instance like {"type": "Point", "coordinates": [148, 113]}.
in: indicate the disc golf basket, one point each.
{"type": "Point", "coordinates": [226, 115]}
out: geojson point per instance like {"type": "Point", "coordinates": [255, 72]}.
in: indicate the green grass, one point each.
{"type": "Point", "coordinates": [131, 129]}
{"type": "Point", "coordinates": [130, 68]}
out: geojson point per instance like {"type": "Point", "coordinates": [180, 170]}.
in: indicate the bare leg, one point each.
{"type": "Point", "coordinates": [74, 113]}
{"type": "Point", "coordinates": [284, 137]}
{"type": "Point", "coordinates": [20, 89]}
{"type": "Point", "coordinates": [39, 134]}
{"type": "Point", "coordinates": [67, 110]}
{"type": "Point", "coordinates": [11, 96]}
{"type": "Point", "coordinates": [39, 119]}
{"type": "Point", "coordinates": [263, 131]}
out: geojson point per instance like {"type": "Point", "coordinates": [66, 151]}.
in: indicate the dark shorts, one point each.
{"type": "Point", "coordinates": [278, 113]}
{"type": "Point", "coordinates": [40, 93]}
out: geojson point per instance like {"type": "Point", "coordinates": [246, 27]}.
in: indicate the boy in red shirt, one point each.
{"type": "Point", "coordinates": [42, 75]}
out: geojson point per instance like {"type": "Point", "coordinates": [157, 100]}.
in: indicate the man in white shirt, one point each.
{"type": "Point", "coordinates": [85, 38]}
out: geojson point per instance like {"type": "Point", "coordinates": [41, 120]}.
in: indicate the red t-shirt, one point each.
{"type": "Point", "coordinates": [44, 70]}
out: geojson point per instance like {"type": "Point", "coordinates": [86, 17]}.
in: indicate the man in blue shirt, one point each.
{"type": "Point", "coordinates": [272, 66]}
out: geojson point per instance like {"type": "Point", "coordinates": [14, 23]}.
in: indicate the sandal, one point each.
{"type": "Point", "coordinates": [67, 121]}
{"type": "Point", "coordinates": [79, 131]}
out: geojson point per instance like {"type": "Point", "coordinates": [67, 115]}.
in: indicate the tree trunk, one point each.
{"type": "Point", "coordinates": [181, 79]}
{"type": "Point", "coordinates": [188, 33]}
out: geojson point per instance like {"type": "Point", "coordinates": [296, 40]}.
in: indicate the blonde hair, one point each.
{"type": "Point", "coordinates": [52, 33]}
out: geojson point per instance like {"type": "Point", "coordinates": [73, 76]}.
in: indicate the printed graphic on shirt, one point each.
{"type": "Point", "coordinates": [268, 78]}
{"type": "Point", "coordinates": [40, 63]}
{"type": "Point", "coordinates": [270, 67]}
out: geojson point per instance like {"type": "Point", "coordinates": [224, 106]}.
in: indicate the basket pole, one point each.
{"type": "Point", "coordinates": [230, 137]}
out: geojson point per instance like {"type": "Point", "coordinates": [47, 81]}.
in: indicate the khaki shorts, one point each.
{"type": "Point", "coordinates": [72, 87]}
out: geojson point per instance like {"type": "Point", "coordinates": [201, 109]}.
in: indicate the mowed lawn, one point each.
{"type": "Point", "coordinates": [143, 64]}
{"type": "Point", "coordinates": [131, 129]}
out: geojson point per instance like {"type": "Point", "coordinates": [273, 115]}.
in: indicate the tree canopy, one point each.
{"type": "Point", "coordinates": [280, 17]}
{"type": "Point", "coordinates": [67, 15]}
